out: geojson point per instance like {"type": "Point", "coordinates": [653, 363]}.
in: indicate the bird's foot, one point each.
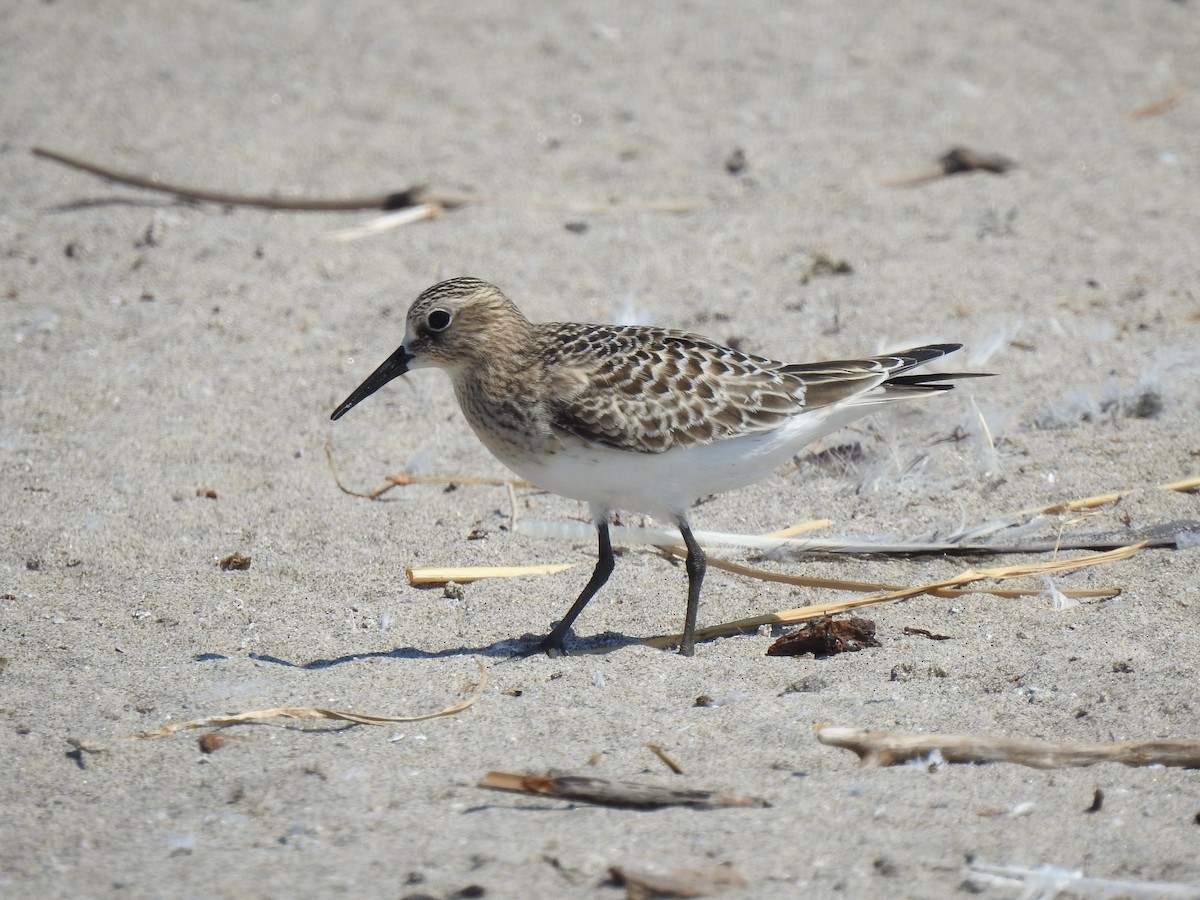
{"type": "Point", "coordinates": [549, 645]}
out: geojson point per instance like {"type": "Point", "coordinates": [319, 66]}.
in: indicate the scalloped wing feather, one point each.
{"type": "Point", "coordinates": [648, 390]}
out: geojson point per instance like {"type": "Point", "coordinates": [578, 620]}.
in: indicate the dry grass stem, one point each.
{"type": "Point", "coordinates": [464, 574]}
{"type": "Point", "coordinates": [667, 759]}
{"type": "Point", "coordinates": [395, 481]}
{"type": "Point", "coordinates": [386, 222]}
{"type": "Point", "coordinates": [316, 712]}
{"type": "Point", "coordinates": [1184, 486]}
{"type": "Point", "coordinates": [838, 584]}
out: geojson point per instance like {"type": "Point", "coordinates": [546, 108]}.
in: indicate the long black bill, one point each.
{"type": "Point", "coordinates": [393, 367]}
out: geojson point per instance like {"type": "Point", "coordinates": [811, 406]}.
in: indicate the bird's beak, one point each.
{"type": "Point", "coordinates": [393, 367]}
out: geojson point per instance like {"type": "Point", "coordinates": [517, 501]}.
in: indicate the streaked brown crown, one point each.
{"type": "Point", "coordinates": [463, 321]}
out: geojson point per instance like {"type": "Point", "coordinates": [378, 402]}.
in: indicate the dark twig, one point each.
{"type": "Point", "coordinates": [386, 202]}
{"type": "Point", "coordinates": [955, 161]}
{"type": "Point", "coordinates": [925, 632]}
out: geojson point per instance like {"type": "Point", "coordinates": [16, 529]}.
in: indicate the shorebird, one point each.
{"type": "Point", "coordinates": [633, 418]}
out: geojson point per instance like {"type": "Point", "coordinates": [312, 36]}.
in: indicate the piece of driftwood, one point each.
{"type": "Point", "coordinates": [605, 792]}
{"type": "Point", "coordinates": [676, 883]}
{"type": "Point", "coordinates": [884, 748]}
{"type": "Point", "coordinates": [1054, 881]}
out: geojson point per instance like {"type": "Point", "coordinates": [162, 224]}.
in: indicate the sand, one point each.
{"type": "Point", "coordinates": [154, 348]}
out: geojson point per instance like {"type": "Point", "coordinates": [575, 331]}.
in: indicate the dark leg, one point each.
{"type": "Point", "coordinates": [553, 645]}
{"type": "Point", "coordinates": [696, 566]}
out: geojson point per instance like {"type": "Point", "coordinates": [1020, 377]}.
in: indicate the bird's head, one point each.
{"type": "Point", "coordinates": [454, 326]}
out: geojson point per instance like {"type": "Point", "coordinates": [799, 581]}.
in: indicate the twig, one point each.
{"type": "Point", "coordinates": [602, 791]}
{"type": "Point", "coordinates": [925, 632]}
{"type": "Point", "coordinates": [667, 759]}
{"type": "Point", "coordinates": [395, 200]}
{"type": "Point", "coordinates": [882, 748]}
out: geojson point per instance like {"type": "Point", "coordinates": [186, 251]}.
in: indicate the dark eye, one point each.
{"type": "Point", "coordinates": [438, 320]}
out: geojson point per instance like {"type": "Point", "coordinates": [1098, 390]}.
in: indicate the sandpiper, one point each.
{"type": "Point", "coordinates": [636, 418]}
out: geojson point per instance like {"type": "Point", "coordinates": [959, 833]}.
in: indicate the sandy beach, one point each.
{"type": "Point", "coordinates": [169, 370]}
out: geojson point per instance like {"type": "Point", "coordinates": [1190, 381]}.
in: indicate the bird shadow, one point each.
{"type": "Point", "coordinates": [501, 650]}
{"type": "Point", "coordinates": [509, 649]}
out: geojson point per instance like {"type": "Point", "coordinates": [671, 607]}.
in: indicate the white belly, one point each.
{"type": "Point", "coordinates": [664, 485]}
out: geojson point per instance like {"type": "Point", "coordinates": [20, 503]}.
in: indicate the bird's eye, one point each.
{"type": "Point", "coordinates": [438, 320]}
